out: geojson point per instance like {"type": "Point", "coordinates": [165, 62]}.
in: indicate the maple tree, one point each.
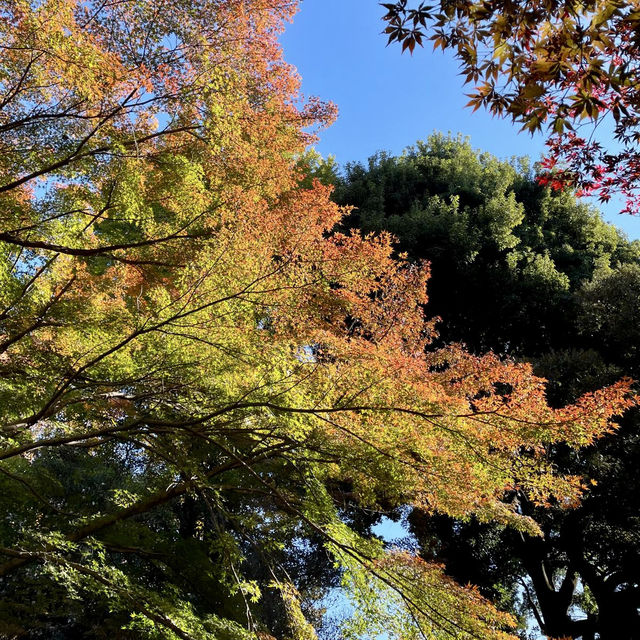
{"type": "Point", "coordinates": [564, 66]}
{"type": "Point", "coordinates": [198, 373]}
{"type": "Point", "coordinates": [522, 269]}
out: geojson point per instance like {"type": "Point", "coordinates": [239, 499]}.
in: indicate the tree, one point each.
{"type": "Point", "coordinates": [558, 66]}
{"type": "Point", "coordinates": [521, 269]}
{"type": "Point", "coordinates": [506, 255]}
{"type": "Point", "coordinates": [202, 381]}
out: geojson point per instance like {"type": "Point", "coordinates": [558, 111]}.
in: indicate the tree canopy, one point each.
{"type": "Point", "coordinates": [557, 65]}
{"type": "Point", "coordinates": [203, 382]}
{"type": "Point", "coordinates": [524, 270]}
{"type": "Point", "coordinates": [506, 254]}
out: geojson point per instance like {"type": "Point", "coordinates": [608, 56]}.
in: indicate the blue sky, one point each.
{"type": "Point", "coordinates": [386, 100]}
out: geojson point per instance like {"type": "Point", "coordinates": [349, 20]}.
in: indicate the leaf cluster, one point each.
{"type": "Point", "coordinates": [556, 66]}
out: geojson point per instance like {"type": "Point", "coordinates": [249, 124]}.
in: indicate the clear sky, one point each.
{"type": "Point", "coordinates": [386, 100]}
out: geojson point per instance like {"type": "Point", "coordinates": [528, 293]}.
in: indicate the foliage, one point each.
{"type": "Point", "coordinates": [196, 369]}
{"type": "Point", "coordinates": [557, 65]}
{"type": "Point", "coordinates": [524, 270]}
{"type": "Point", "coordinates": [506, 255]}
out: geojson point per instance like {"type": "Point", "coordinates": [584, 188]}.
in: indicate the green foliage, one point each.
{"type": "Point", "coordinates": [315, 167]}
{"type": "Point", "coordinates": [525, 270]}
{"type": "Point", "coordinates": [609, 310]}
{"type": "Point", "coordinates": [506, 255]}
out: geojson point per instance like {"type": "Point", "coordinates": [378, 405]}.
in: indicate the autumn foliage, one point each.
{"type": "Point", "coordinates": [568, 68]}
{"type": "Point", "coordinates": [195, 365]}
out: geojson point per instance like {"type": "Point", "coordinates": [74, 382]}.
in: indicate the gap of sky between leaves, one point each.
{"type": "Point", "coordinates": [386, 100]}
